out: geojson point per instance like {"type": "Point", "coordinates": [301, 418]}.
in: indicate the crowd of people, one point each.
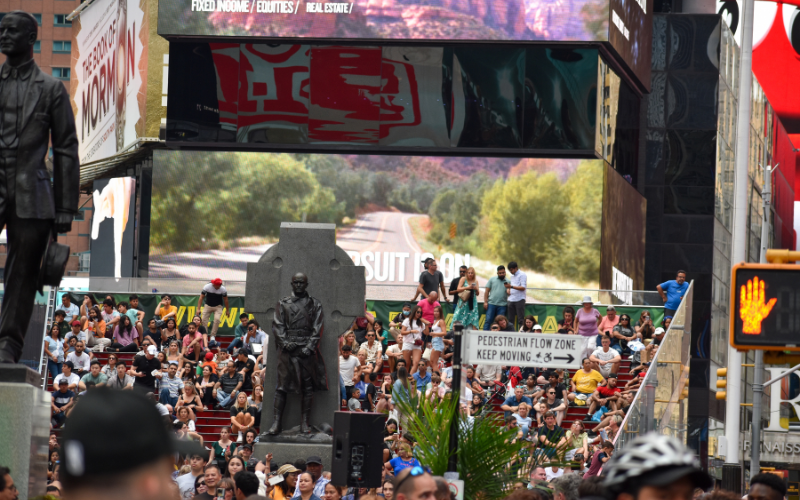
{"type": "Point", "coordinates": [184, 370]}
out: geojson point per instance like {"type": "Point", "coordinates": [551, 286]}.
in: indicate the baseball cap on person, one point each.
{"type": "Point", "coordinates": [314, 459]}
{"type": "Point", "coordinates": [537, 327]}
{"type": "Point", "coordinates": [76, 323]}
{"type": "Point", "coordinates": [63, 381]}
{"type": "Point", "coordinates": [209, 356]}
{"type": "Point", "coordinates": [216, 281]}
{"type": "Point", "coordinates": [287, 469]}
{"type": "Point", "coordinates": [658, 331]}
{"type": "Point", "coordinates": [152, 350]}
{"type": "Point", "coordinates": [92, 441]}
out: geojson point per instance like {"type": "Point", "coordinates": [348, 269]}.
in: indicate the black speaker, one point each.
{"type": "Point", "coordinates": [357, 449]}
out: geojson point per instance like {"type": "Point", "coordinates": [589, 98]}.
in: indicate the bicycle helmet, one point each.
{"type": "Point", "coordinates": [653, 460]}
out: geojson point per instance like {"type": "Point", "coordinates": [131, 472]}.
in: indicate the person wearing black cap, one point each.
{"type": "Point", "coordinates": [101, 462]}
{"type": "Point", "coordinates": [314, 467]}
{"type": "Point", "coordinates": [654, 467]}
{"type": "Point", "coordinates": [245, 367]}
{"type": "Point", "coordinates": [62, 400]}
{"type": "Point", "coordinates": [145, 368]}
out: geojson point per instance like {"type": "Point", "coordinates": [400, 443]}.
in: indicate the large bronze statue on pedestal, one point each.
{"type": "Point", "coordinates": [34, 108]}
{"type": "Point", "coordinates": [298, 327]}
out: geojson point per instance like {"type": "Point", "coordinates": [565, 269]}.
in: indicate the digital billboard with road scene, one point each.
{"type": "Point", "coordinates": [625, 25]}
{"type": "Point", "coordinates": [213, 212]}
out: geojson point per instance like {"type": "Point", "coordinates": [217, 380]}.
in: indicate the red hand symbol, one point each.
{"type": "Point", "coordinates": [752, 309]}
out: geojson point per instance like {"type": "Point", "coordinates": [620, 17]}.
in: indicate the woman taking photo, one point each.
{"type": "Point", "coordinates": [438, 331]}
{"type": "Point", "coordinates": [414, 327]}
{"type": "Point", "coordinates": [567, 324]}
{"type": "Point", "coordinates": [285, 489]}
{"type": "Point", "coordinates": [54, 350]}
{"type": "Point", "coordinates": [242, 416]}
{"type": "Point", "coordinates": [467, 308]}
{"type": "Point", "coordinates": [205, 388]}
{"type": "Point", "coordinates": [305, 483]}
{"type": "Point", "coordinates": [125, 338]}
{"type": "Point", "coordinates": [222, 449]}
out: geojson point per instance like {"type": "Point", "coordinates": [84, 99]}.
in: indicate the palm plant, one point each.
{"type": "Point", "coordinates": [490, 458]}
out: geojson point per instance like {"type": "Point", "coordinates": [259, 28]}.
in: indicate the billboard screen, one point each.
{"type": "Point", "coordinates": [213, 212]}
{"type": "Point", "coordinates": [537, 98]}
{"type": "Point", "coordinates": [109, 41]}
{"type": "Point", "coordinates": [112, 233]}
{"type": "Point", "coordinates": [626, 24]}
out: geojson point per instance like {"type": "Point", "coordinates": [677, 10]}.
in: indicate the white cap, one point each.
{"type": "Point", "coordinates": [659, 331]}
{"type": "Point", "coordinates": [537, 327]}
{"type": "Point", "coordinates": [587, 299]}
{"type": "Point", "coordinates": [151, 350]}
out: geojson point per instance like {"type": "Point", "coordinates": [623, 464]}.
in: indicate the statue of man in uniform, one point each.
{"type": "Point", "coordinates": [298, 326]}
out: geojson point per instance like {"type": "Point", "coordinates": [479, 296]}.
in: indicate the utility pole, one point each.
{"type": "Point", "coordinates": [739, 239]}
{"type": "Point", "coordinates": [758, 375]}
{"type": "Point", "coordinates": [458, 333]}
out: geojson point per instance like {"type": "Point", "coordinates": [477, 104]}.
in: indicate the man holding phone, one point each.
{"type": "Point", "coordinates": [213, 476]}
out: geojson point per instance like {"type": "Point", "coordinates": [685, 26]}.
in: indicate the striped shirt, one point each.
{"type": "Point", "coordinates": [174, 384]}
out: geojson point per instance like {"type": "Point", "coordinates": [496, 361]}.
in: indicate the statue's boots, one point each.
{"type": "Point", "coordinates": [280, 403]}
{"type": "Point", "coordinates": [305, 412]}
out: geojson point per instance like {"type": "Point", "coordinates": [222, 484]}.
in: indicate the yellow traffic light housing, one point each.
{"type": "Point", "coordinates": [722, 383]}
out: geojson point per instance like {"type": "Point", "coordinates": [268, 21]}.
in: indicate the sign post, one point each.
{"type": "Point", "coordinates": [764, 317]}
{"type": "Point", "coordinates": [523, 349]}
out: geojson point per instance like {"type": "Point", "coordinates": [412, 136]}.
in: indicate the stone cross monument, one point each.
{"type": "Point", "coordinates": [340, 286]}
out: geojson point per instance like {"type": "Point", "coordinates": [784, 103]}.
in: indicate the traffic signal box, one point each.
{"type": "Point", "coordinates": [765, 305]}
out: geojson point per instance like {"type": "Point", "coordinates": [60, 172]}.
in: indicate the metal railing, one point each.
{"type": "Point", "coordinates": [661, 404]}
{"type": "Point", "coordinates": [375, 291]}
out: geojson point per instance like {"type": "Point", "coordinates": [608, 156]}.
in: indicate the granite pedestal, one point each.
{"type": "Point", "coordinates": [341, 287]}
{"type": "Point", "coordinates": [25, 428]}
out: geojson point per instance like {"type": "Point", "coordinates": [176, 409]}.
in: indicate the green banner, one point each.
{"type": "Point", "coordinates": [547, 315]}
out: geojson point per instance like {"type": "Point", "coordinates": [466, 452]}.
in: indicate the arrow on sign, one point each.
{"type": "Point", "coordinates": [568, 359]}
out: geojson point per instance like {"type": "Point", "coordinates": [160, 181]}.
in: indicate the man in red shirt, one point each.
{"type": "Point", "coordinates": [606, 395]}
{"type": "Point", "coordinates": [427, 304]}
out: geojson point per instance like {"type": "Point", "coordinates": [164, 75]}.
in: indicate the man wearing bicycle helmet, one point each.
{"type": "Point", "coordinates": [654, 467]}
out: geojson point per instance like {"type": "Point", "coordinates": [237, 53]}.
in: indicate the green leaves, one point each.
{"type": "Point", "coordinates": [490, 460]}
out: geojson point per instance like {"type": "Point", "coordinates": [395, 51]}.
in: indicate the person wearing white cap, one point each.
{"type": "Point", "coordinates": [651, 349]}
{"type": "Point", "coordinates": [144, 368]}
{"type": "Point", "coordinates": [587, 320]}
{"type": "Point", "coordinates": [537, 328]}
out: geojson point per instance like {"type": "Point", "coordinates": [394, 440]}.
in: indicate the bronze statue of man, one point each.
{"type": "Point", "coordinates": [297, 327]}
{"type": "Point", "coordinates": [34, 109]}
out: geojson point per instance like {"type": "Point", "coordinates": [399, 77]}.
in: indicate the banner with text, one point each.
{"type": "Point", "coordinates": [109, 40]}
{"type": "Point", "coordinates": [548, 315]}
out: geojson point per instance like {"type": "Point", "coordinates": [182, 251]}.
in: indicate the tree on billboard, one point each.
{"type": "Point", "coordinates": [577, 254]}
{"type": "Point", "coordinates": [210, 198]}
{"type": "Point", "coordinates": [525, 216]}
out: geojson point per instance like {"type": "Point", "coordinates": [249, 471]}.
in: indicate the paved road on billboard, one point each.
{"type": "Point", "coordinates": [375, 232]}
